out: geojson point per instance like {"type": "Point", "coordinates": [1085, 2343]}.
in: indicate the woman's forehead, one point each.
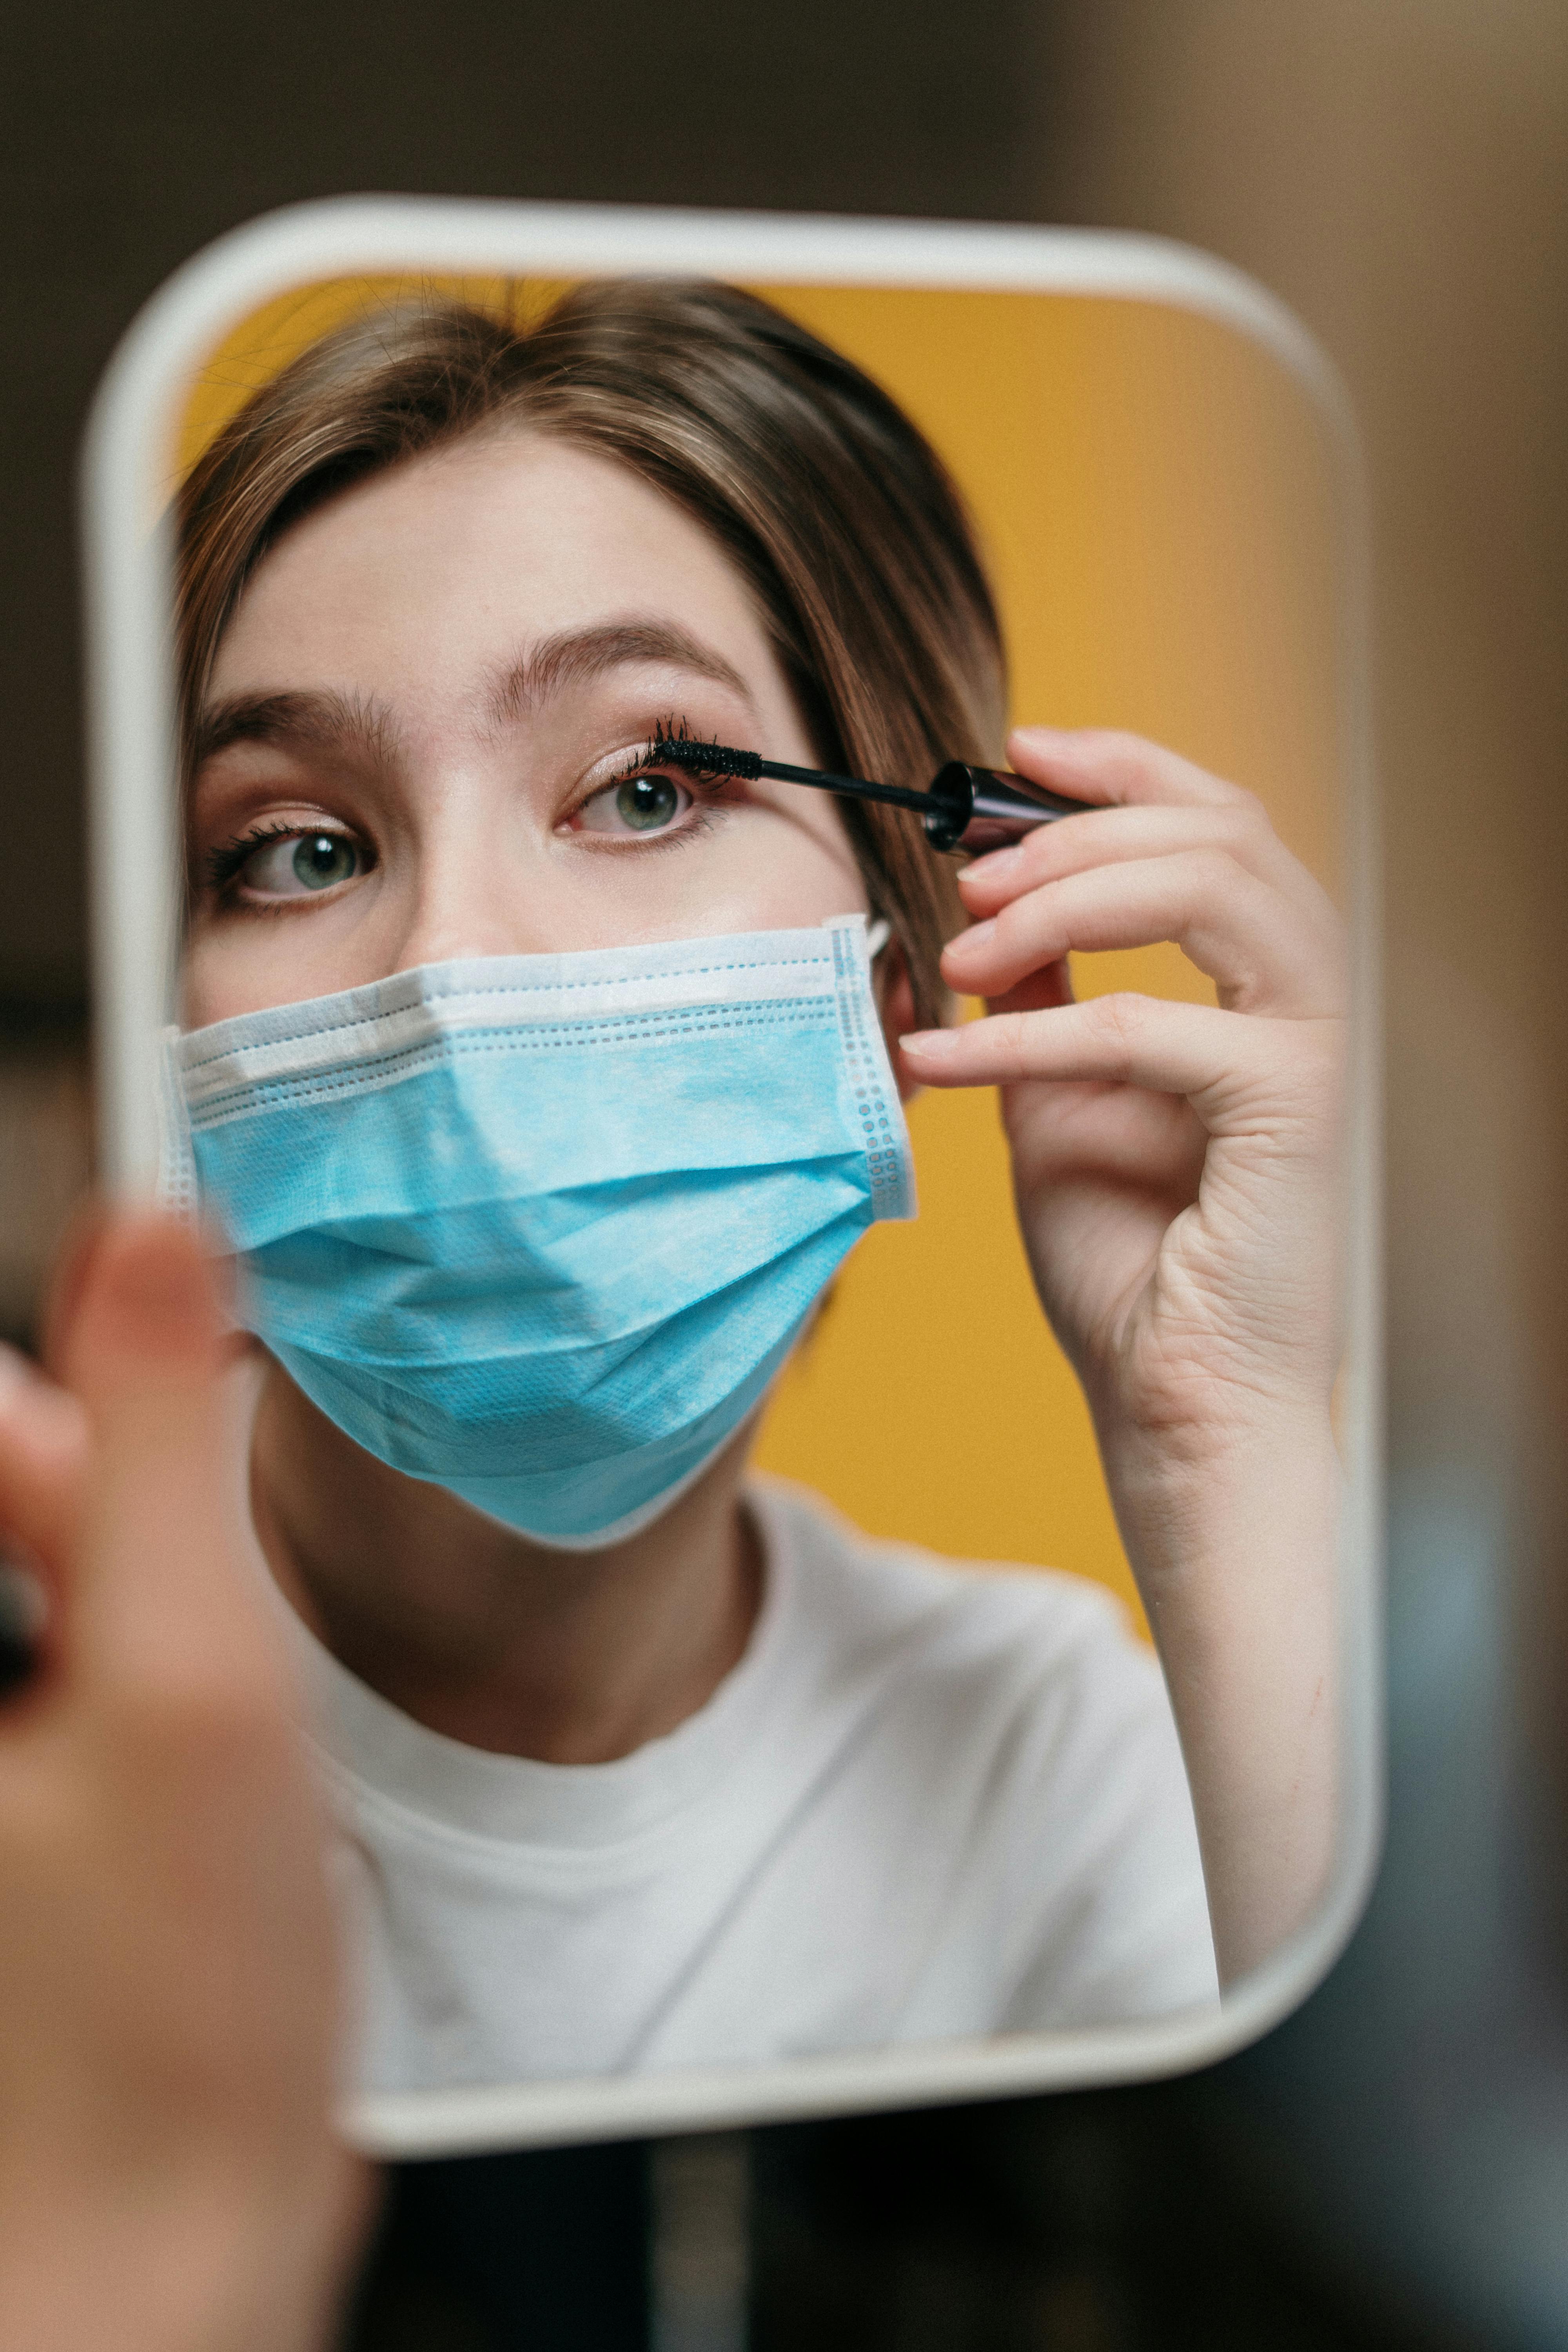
{"type": "Point", "coordinates": [511, 536]}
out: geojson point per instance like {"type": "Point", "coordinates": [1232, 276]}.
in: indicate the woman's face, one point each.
{"type": "Point", "coordinates": [423, 718]}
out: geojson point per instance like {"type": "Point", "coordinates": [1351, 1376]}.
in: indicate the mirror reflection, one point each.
{"type": "Point", "coordinates": [543, 1082]}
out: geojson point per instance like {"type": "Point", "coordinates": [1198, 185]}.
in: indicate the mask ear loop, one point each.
{"type": "Point", "coordinates": [878, 934]}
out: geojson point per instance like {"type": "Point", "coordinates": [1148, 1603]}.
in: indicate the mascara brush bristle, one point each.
{"type": "Point", "coordinates": [706, 759]}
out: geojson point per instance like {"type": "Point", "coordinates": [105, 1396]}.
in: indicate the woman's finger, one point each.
{"type": "Point", "coordinates": [42, 1457]}
{"type": "Point", "coordinates": [1127, 1135]}
{"type": "Point", "coordinates": [1115, 836]}
{"type": "Point", "coordinates": [72, 1265]}
{"type": "Point", "coordinates": [1043, 984]}
{"type": "Point", "coordinates": [1239, 1074]}
{"type": "Point", "coordinates": [1103, 765]}
{"type": "Point", "coordinates": [1265, 954]}
{"type": "Point", "coordinates": [158, 1602]}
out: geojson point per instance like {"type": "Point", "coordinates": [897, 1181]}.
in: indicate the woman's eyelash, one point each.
{"type": "Point", "coordinates": [699, 821]}
{"type": "Point", "coordinates": [225, 862]}
{"type": "Point", "coordinates": [673, 730]}
{"type": "Point", "coordinates": [709, 793]}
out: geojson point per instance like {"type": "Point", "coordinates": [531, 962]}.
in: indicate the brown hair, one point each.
{"type": "Point", "coordinates": [835, 509]}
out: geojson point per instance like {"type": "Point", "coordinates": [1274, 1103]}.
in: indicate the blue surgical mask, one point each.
{"type": "Point", "coordinates": [542, 1229]}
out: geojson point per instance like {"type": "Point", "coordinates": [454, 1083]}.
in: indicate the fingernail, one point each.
{"type": "Point", "coordinates": [931, 1044]}
{"type": "Point", "coordinates": [152, 1283]}
{"type": "Point", "coordinates": [976, 936]}
{"type": "Point", "coordinates": [995, 867]}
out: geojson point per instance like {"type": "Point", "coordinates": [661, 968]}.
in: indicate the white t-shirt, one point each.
{"type": "Point", "coordinates": [932, 1800]}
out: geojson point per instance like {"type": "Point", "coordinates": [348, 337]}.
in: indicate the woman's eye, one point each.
{"type": "Point", "coordinates": [300, 863]}
{"type": "Point", "coordinates": [638, 804]}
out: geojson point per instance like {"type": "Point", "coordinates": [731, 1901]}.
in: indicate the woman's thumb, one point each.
{"type": "Point", "coordinates": [142, 1348]}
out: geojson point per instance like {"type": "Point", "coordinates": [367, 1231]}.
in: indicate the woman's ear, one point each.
{"type": "Point", "coordinates": [896, 1002]}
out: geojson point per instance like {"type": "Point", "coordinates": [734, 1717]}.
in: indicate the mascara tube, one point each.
{"type": "Point", "coordinates": [986, 808]}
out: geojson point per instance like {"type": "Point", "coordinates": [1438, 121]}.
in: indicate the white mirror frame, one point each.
{"type": "Point", "coordinates": [133, 831]}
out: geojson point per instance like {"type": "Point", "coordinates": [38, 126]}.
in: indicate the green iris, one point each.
{"type": "Point", "coordinates": [322, 858]}
{"type": "Point", "coordinates": [644, 803]}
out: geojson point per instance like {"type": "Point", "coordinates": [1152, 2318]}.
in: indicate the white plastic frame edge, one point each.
{"type": "Point", "coordinates": [133, 850]}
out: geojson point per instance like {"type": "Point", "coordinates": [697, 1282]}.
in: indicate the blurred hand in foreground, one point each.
{"type": "Point", "coordinates": [169, 1986]}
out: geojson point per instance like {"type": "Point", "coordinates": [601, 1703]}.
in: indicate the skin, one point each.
{"type": "Point", "coordinates": [489, 615]}
{"type": "Point", "coordinates": [1177, 1170]}
{"type": "Point", "coordinates": [165, 1945]}
{"type": "Point", "coordinates": [475, 648]}
{"type": "Point", "coordinates": [167, 1952]}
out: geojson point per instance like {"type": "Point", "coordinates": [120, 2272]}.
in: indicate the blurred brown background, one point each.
{"type": "Point", "coordinates": [1399, 175]}
{"type": "Point", "coordinates": [1391, 2168]}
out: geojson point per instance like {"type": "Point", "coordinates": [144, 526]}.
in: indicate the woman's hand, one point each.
{"type": "Point", "coordinates": [1176, 1169]}
{"type": "Point", "coordinates": [168, 1980]}
{"type": "Point", "coordinates": [1175, 1165]}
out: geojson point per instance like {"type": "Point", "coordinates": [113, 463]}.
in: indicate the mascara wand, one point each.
{"type": "Point", "coordinates": [970, 809]}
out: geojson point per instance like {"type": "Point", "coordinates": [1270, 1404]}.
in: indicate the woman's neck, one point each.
{"type": "Point", "coordinates": [570, 1657]}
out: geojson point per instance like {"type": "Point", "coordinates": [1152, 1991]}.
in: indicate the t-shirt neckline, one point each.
{"type": "Point", "coordinates": [394, 1762]}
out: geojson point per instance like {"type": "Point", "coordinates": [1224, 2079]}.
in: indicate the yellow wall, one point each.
{"type": "Point", "coordinates": [1153, 498]}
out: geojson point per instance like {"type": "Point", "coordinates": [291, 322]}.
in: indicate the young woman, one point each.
{"type": "Point", "coordinates": [541, 1086]}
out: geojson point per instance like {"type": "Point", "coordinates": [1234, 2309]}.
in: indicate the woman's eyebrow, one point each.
{"type": "Point", "coordinates": [308, 721]}
{"type": "Point", "coordinates": [325, 720]}
{"type": "Point", "coordinates": [576, 656]}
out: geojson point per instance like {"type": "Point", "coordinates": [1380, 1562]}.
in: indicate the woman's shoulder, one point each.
{"type": "Point", "coordinates": [1027, 1683]}
{"type": "Point", "coordinates": [866, 1592]}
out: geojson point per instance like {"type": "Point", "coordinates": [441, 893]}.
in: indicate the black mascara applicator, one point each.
{"type": "Point", "coordinates": [970, 809]}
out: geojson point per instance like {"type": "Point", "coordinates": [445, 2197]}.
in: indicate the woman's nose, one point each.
{"type": "Point", "coordinates": [477, 891]}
